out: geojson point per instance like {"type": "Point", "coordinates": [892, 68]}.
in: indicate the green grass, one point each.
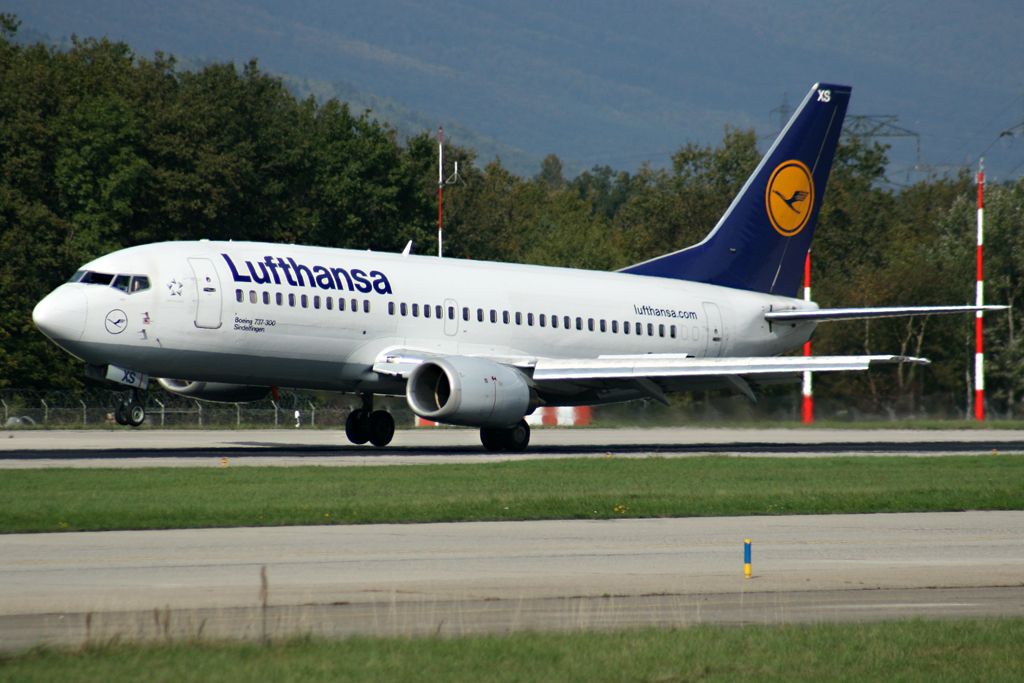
{"type": "Point", "coordinates": [902, 651]}
{"type": "Point", "coordinates": [584, 488]}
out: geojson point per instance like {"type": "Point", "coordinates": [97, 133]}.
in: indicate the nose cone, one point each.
{"type": "Point", "coordinates": [61, 315]}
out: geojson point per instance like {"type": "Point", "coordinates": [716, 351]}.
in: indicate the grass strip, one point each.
{"type": "Point", "coordinates": [934, 651]}
{"type": "Point", "coordinates": [581, 488]}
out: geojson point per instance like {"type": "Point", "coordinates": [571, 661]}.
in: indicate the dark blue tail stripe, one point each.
{"type": "Point", "coordinates": [745, 250]}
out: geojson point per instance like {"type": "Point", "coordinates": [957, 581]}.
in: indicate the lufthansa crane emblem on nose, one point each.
{"type": "Point", "coordinates": [116, 321]}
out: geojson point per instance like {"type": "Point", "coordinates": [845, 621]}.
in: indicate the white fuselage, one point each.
{"type": "Point", "coordinates": [323, 321]}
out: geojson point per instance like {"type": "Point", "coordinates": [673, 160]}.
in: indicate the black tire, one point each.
{"type": "Point", "coordinates": [136, 414]}
{"type": "Point", "coordinates": [517, 438]}
{"type": "Point", "coordinates": [357, 427]}
{"type": "Point", "coordinates": [121, 414]}
{"type": "Point", "coordinates": [382, 428]}
{"type": "Point", "coordinates": [492, 439]}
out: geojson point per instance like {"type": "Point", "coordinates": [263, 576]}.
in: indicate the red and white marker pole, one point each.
{"type": "Point", "coordinates": [979, 316]}
{"type": "Point", "coordinates": [808, 395]}
{"type": "Point", "coordinates": [440, 186]}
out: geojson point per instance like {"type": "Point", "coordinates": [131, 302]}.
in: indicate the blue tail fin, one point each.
{"type": "Point", "coordinates": [761, 241]}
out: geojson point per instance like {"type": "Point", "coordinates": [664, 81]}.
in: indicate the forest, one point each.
{"type": "Point", "coordinates": [101, 149]}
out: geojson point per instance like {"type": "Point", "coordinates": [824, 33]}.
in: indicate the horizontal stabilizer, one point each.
{"type": "Point", "coordinates": [823, 314]}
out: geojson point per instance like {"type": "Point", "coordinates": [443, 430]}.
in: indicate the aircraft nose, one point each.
{"type": "Point", "coordinates": [61, 314]}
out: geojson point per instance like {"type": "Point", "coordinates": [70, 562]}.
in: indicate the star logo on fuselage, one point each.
{"type": "Point", "coordinates": [174, 287]}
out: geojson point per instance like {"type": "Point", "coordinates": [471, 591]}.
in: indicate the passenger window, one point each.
{"type": "Point", "coordinates": [391, 308]}
{"type": "Point", "coordinates": [604, 327]}
{"type": "Point", "coordinates": [465, 313]}
{"type": "Point", "coordinates": [451, 313]}
{"type": "Point", "coordinates": [568, 324]}
{"type": "Point", "coordinates": [403, 309]}
{"type": "Point", "coordinates": [554, 322]}
{"type": "Point", "coordinates": [479, 315]}
{"type": "Point", "coordinates": [291, 300]}
{"type": "Point", "coordinates": [355, 305]}
{"type": "Point", "coordinates": [579, 323]}
{"type": "Point", "coordinates": [590, 324]}
{"type": "Point", "coordinates": [252, 296]}
{"type": "Point", "coordinates": [437, 312]}
{"type": "Point", "coordinates": [426, 310]}
{"type": "Point", "coordinates": [505, 317]}
{"type": "Point", "coordinates": [366, 305]}
{"type": "Point", "coordinates": [305, 301]}
{"type": "Point", "coordinates": [529, 319]}
{"type": "Point", "coordinates": [519, 318]}
{"type": "Point", "coordinates": [279, 298]}
{"type": "Point", "coordinates": [672, 331]}
{"type": "Point", "coordinates": [639, 329]}
{"type": "Point", "coordinates": [266, 298]}
{"type": "Point", "coordinates": [415, 310]}
{"type": "Point", "coordinates": [661, 330]}
{"type": "Point", "coordinates": [625, 328]}
{"type": "Point", "coordinates": [329, 302]}
{"type": "Point", "coordinates": [542, 320]}
{"type": "Point", "coordinates": [494, 316]}
{"type": "Point", "coordinates": [121, 282]}
{"type": "Point", "coordinates": [239, 296]}
{"type": "Point", "coordinates": [316, 301]}
{"type": "Point", "coordinates": [140, 283]}
{"type": "Point", "coordinates": [650, 329]}
{"type": "Point", "coordinates": [341, 304]}
{"type": "Point", "coordinates": [615, 327]}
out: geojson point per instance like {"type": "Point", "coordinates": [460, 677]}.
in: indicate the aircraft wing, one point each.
{"type": "Point", "coordinates": [401, 362]}
{"type": "Point", "coordinates": [824, 314]}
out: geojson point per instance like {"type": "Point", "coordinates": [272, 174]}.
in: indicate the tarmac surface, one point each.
{"type": "Point", "coordinates": [456, 579]}
{"type": "Point", "coordinates": [495, 577]}
{"type": "Point", "coordinates": [289, 447]}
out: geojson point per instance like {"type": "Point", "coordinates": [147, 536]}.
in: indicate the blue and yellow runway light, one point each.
{"type": "Point", "coordinates": [746, 558]}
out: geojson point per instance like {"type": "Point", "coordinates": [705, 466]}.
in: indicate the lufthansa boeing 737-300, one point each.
{"type": "Point", "coordinates": [469, 342]}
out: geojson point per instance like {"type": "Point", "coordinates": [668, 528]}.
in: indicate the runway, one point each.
{"type": "Point", "coordinates": [464, 578]}
{"type": "Point", "coordinates": [284, 447]}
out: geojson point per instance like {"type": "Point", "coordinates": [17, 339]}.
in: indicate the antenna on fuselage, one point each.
{"type": "Point", "coordinates": [441, 182]}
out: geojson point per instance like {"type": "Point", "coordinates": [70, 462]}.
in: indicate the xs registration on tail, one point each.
{"type": "Point", "coordinates": [468, 342]}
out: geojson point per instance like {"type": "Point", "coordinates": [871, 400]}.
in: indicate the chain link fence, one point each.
{"type": "Point", "coordinates": [28, 408]}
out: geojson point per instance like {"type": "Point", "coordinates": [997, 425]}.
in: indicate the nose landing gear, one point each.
{"type": "Point", "coordinates": [130, 411]}
{"type": "Point", "coordinates": [366, 424]}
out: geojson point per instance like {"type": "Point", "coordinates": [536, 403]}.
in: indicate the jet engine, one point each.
{"type": "Point", "coordinates": [214, 391]}
{"type": "Point", "coordinates": [473, 392]}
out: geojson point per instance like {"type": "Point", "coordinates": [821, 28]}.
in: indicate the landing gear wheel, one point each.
{"type": "Point", "coordinates": [381, 428]}
{"type": "Point", "coordinates": [517, 438]}
{"type": "Point", "coordinates": [492, 439]}
{"type": "Point", "coordinates": [136, 414]}
{"type": "Point", "coordinates": [357, 426]}
{"type": "Point", "coordinates": [121, 413]}
{"type": "Point", "coordinates": [514, 439]}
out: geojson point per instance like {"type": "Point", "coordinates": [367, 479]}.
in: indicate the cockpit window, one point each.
{"type": "Point", "coordinates": [121, 282]}
{"type": "Point", "coordinates": [77, 276]}
{"type": "Point", "coordinates": [139, 283]}
{"type": "Point", "coordinates": [93, 278]}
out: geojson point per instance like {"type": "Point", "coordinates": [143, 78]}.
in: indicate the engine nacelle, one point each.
{"type": "Point", "coordinates": [214, 391]}
{"type": "Point", "coordinates": [473, 392]}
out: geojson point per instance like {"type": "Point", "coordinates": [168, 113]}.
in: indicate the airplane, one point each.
{"type": "Point", "coordinates": [474, 343]}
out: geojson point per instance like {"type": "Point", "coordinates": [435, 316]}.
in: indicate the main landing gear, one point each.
{"type": "Point", "coordinates": [514, 439]}
{"type": "Point", "coordinates": [130, 410]}
{"type": "Point", "coordinates": [366, 424]}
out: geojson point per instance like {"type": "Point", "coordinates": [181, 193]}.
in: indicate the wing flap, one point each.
{"type": "Point", "coordinates": [657, 365]}
{"type": "Point", "coordinates": [825, 314]}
